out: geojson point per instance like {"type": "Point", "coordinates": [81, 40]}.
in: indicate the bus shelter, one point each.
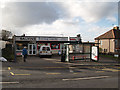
{"type": "Point", "coordinates": [80, 51]}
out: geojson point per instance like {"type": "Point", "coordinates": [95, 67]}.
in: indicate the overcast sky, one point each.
{"type": "Point", "coordinates": [67, 18]}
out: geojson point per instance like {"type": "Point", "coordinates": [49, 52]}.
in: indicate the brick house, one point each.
{"type": "Point", "coordinates": [109, 41]}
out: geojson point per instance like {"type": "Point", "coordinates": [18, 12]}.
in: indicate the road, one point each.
{"type": "Point", "coordinates": [52, 73]}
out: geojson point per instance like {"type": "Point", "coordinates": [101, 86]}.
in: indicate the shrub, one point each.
{"type": "Point", "coordinates": [8, 53]}
{"type": "Point", "coordinates": [100, 50]}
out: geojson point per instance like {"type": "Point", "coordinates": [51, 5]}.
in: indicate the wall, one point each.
{"type": "Point", "coordinates": [104, 44]}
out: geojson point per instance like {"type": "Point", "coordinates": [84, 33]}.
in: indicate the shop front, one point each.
{"type": "Point", "coordinates": [33, 43]}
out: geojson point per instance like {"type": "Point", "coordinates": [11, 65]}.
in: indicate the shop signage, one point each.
{"type": "Point", "coordinates": [42, 38]}
{"type": "Point", "coordinates": [51, 39]}
{"type": "Point", "coordinates": [25, 39]}
{"type": "Point", "coordinates": [73, 38]}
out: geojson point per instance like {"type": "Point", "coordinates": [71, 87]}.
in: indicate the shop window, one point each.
{"type": "Point", "coordinates": [86, 48]}
{"type": "Point", "coordinates": [20, 46]}
{"type": "Point", "coordinates": [105, 50]}
{"type": "Point", "coordinates": [79, 48]}
{"type": "Point", "coordinates": [55, 46]}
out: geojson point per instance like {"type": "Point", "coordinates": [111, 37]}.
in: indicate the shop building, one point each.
{"type": "Point", "coordinates": [33, 43]}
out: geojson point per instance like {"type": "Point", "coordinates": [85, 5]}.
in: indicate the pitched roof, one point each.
{"type": "Point", "coordinates": [112, 34]}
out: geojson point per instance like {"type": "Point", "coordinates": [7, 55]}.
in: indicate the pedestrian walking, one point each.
{"type": "Point", "coordinates": [24, 53]}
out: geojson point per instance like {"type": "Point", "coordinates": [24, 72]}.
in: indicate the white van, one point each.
{"type": "Point", "coordinates": [45, 51]}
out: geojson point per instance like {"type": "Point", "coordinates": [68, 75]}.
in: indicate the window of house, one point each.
{"type": "Point", "coordinates": [119, 43]}
{"type": "Point", "coordinates": [116, 43]}
{"type": "Point", "coordinates": [101, 43]}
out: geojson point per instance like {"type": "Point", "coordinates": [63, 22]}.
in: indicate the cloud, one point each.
{"type": "Point", "coordinates": [111, 19]}
{"type": "Point", "coordinates": [91, 11]}
{"type": "Point", "coordinates": [63, 28]}
{"type": "Point", "coordinates": [58, 27]}
{"type": "Point", "coordinates": [28, 13]}
{"type": "Point", "coordinates": [57, 18]}
{"type": "Point", "coordinates": [119, 14]}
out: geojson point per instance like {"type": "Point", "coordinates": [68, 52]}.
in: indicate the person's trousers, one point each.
{"type": "Point", "coordinates": [25, 57]}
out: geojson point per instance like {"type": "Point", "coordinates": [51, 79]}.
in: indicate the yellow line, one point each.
{"type": "Point", "coordinates": [118, 67]}
{"type": "Point", "coordinates": [22, 74]}
{"type": "Point", "coordinates": [9, 68]}
{"type": "Point", "coordinates": [75, 73]}
{"type": "Point", "coordinates": [113, 70]}
{"type": "Point", "coordinates": [99, 71]}
{"type": "Point", "coordinates": [55, 67]}
{"type": "Point", "coordinates": [42, 67]}
{"type": "Point", "coordinates": [18, 74]}
{"type": "Point", "coordinates": [12, 73]}
{"type": "Point", "coordinates": [52, 73]}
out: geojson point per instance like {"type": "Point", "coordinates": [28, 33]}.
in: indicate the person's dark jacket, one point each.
{"type": "Point", "coordinates": [24, 52]}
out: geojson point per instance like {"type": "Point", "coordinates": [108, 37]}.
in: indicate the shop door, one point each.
{"type": "Point", "coordinates": [32, 49]}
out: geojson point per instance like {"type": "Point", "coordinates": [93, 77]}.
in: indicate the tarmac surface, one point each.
{"type": "Point", "coordinates": [52, 73]}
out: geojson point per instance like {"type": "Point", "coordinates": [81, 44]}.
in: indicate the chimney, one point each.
{"type": "Point", "coordinates": [116, 28]}
{"type": "Point", "coordinates": [79, 38]}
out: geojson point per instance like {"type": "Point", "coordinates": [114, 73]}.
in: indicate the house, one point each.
{"type": "Point", "coordinates": [109, 41]}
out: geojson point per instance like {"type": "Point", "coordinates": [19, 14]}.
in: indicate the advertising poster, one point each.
{"type": "Point", "coordinates": [94, 53]}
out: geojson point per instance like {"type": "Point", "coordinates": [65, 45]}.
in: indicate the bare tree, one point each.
{"type": "Point", "coordinates": [6, 35]}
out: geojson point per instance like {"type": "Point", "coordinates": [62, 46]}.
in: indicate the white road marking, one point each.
{"type": "Point", "coordinates": [86, 78]}
{"type": "Point", "coordinates": [3, 70]}
{"type": "Point", "coordinates": [71, 70]}
{"type": "Point", "coordinates": [52, 73]}
{"type": "Point", "coordinates": [9, 82]}
{"type": "Point", "coordinates": [50, 59]}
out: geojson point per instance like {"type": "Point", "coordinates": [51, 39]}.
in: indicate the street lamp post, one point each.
{"type": "Point", "coordinates": [14, 46]}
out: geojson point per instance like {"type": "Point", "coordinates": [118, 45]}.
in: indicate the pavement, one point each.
{"type": "Point", "coordinates": [52, 73]}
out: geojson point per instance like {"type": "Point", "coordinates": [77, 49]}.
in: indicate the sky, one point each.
{"type": "Point", "coordinates": [89, 18]}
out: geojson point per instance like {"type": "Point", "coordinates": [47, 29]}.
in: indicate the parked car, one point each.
{"type": "Point", "coordinates": [45, 51]}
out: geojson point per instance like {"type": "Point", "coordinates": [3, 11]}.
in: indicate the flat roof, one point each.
{"type": "Point", "coordinates": [43, 36]}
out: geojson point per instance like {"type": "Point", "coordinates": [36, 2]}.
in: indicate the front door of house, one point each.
{"type": "Point", "coordinates": [32, 49]}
